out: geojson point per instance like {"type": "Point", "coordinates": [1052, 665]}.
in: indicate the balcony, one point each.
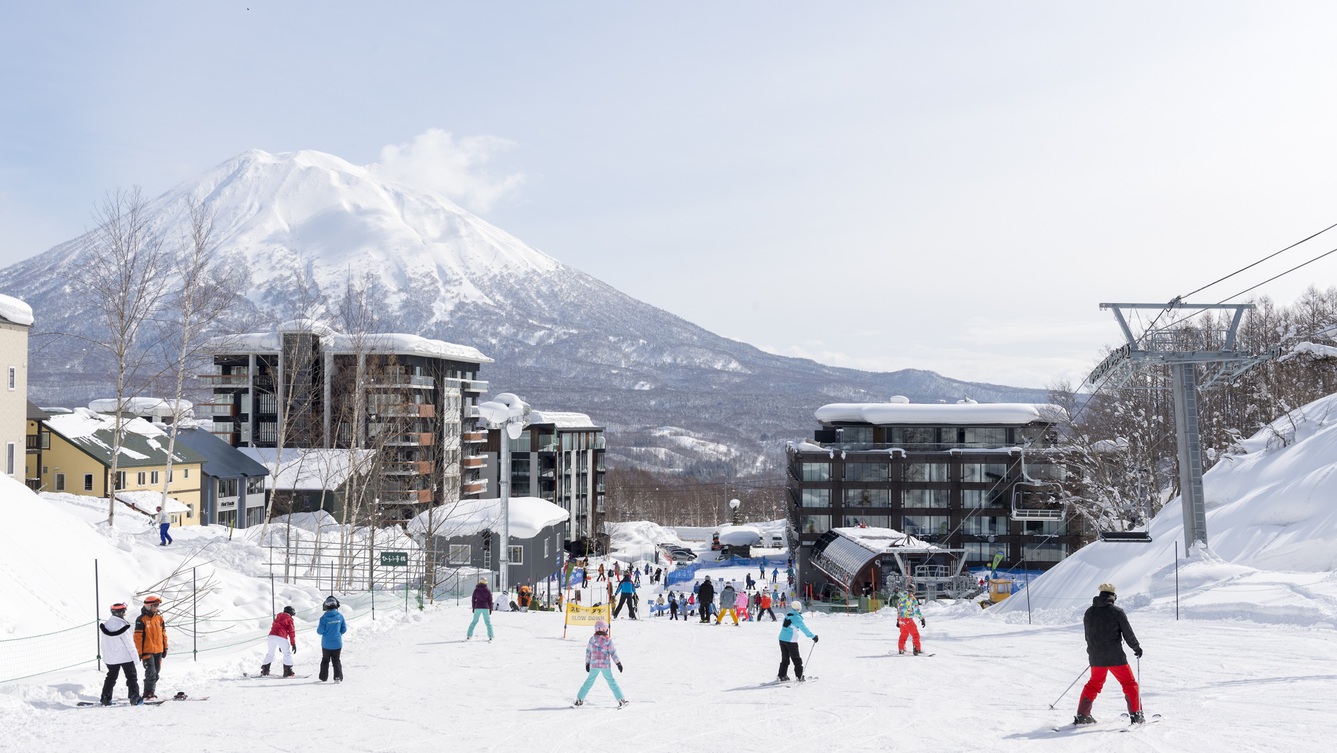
{"type": "Point", "coordinates": [408, 468]}
{"type": "Point", "coordinates": [473, 462]}
{"type": "Point", "coordinates": [474, 487]}
{"type": "Point", "coordinates": [406, 497]}
{"type": "Point", "coordinates": [473, 385]}
{"type": "Point", "coordinates": [413, 439]}
{"type": "Point", "coordinates": [225, 380]}
{"type": "Point", "coordinates": [474, 436]}
{"type": "Point", "coordinates": [401, 380]}
{"type": "Point", "coordinates": [214, 409]}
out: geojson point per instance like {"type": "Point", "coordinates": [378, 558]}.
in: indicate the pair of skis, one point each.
{"type": "Point", "coordinates": [1098, 727]}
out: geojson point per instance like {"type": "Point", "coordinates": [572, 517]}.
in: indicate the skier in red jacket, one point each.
{"type": "Point", "coordinates": [282, 637]}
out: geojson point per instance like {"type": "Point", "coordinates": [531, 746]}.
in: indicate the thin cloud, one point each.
{"type": "Point", "coordinates": [434, 160]}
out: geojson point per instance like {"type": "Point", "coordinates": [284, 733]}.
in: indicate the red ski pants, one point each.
{"type": "Point", "coordinates": [1124, 674]}
{"type": "Point", "coordinates": [908, 630]}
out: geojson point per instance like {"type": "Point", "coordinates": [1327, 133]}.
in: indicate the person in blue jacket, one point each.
{"type": "Point", "coordinates": [789, 646]}
{"type": "Point", "coordinates": [331, 629]}
{"type": "Point", "coordinates": [626, 597]}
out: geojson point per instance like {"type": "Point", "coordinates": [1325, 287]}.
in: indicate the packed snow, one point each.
{"type": "Point", "coordinates": [1240, 660]}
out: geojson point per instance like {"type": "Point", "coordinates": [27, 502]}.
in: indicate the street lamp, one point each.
{"type": "Point", "coordinates": [510, 413]}
{"type": "Point", "coordinates": [734, 505]}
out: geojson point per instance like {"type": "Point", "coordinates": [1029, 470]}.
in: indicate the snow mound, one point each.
{"type": "Point", "coordinates": [638, 541]}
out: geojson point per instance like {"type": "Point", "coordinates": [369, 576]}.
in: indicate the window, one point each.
{"type": "Point", "coordinates": [459, 554]}
{"type": "Point", "coordinates": [517, 555]}
{"type": "Point", "coordinates": [1047, 472]}
{"type": "Point", "coordinates": [88, 482]}
{"type": "Point", "coordinates": [9, 458]}
{"type": "Point", "coordinates": [994, 437]}
{"type": "Point", "coordinates": [980, 551]}
{"type": "Point", "coordinates": [227, 487]}
{"type": "Point", "coordinates": [120, 479]}
{"type": "Point", "coordinates": [914, 438]}
{"type": "Point", "coordinates": [985, 525]}
{"type": "Point", "coordinates": [60, 482]}
{"type": "Point", "coordinates": [1044, 528]}
{"type": "Point", "coordinates": [924, 525]}
{"type": "Point", "coordinates": [487, 559]}
{"type": "Point", "coordinates": [868, 472]}
{"type": "Point", "coordinates": [153, 478]}
{"type": "Point", "coordinates": [546, 551]}
{"type": "Point", "coordinates": [13, 378]}
{"type": "Point", "coordinates": [816, 471]}
{"type": "Point", "coordinates": [856, 436]}
{"type": "Point", "coordinates": [1048, 552]}
{"type": "Point", "coordinates": [867, 497]}
{"type": "Point", "coordinates": [873, 521]}
{"type": "Point", "coordinates": [931, 472]}
{"type": "Point", "coordinates": [816, 523]}
{"type": "Point", "coordinates": [816, 497]}
{"type": "Point", "coordinates": [139, 478]}
{"type": "Point", "coordinates": [978, 498]}
{"type": "Point", "coordinates": [185, 473]}
{"type": "Point", "coordinates": [983, 473]}
{"type": "Point", "coordinates": [928, 498]}
{"type": "Point", "coordinates": [170, 473]}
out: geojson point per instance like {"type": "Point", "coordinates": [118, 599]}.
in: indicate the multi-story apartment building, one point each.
{"type": "Point", "coordinates": [975, 476]}
{"type": "Point", "coordinates": [559, 458]}
{"type": "Point", "coordinates": [409, 399]}
{"type": "Point", "coordinates": [15, 320]}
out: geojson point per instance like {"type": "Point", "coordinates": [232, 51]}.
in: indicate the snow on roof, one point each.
{"type": "Point", "coordinates": [972, 413]}
{"type": "Point", "coordinates": [469, 517]}
{"type": "Point", "coordinates": [335, 342]}
{"type": "Point", "coordinates": [82, 422]}
{"type": "Point", "coordinates": [562, 420]}
{"type": "Point", "coordinates": [739, 535]}
{"type": "Point", "coordinates": [142, 443]}
{"type": "Point", "coordinates": [309, 469]}
{"type": "Point", "coordinates": [882, 539]}
{"type": "Point", "coordinates": [15, 311]}
{"type": "Point", "coordinates": [141, 405]}
{"type": "Point", "coordinates": [147, 502]}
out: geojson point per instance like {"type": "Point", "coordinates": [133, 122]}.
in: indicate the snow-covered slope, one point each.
{"type": "Point", "coordinates": [305, 224]}
{"type": "Point", "coordinates": [1271, 530]}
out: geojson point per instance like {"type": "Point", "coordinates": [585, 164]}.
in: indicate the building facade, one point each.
{"type": "Point", "coordinates": [15, 320]}
{"type": "Point", "coordinates": [980, 477]}
{"type": "Point", "coordinates": [232, 490]}
{"type": "Point", "coordinates": [559, 458]}
{"type": "Point", "coordinates": [410, 400]}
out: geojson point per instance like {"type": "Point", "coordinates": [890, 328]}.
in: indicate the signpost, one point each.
{"type": "Point", "coordinates": [394, 559]}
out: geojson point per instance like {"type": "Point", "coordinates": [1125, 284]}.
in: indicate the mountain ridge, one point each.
{"type": "Point", "coordinates": [307, 225]}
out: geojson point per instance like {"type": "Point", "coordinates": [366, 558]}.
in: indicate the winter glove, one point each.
{"type": "Point", "coordinates": [1138, 652]}
{"type": "Point", "coordinates": [619, 666]}
{"type": "Point", "coordinates": [587, 666]}
{"type": "Point", "coordinates": [294, 649]}
{"type": "Point", "coordinates": [164, 654]}
{"type": "Point", "coordinates": [922, 623]}
{"type": "Point", "coordinates": [815, 637]}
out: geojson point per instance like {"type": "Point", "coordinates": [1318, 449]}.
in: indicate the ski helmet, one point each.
{"type": "Point", "coordinates": [331, 602]}
{"type": "Point", "coordinates": [796, 606]}
{"type": "Point", "coordinates": [152, 599]}
{"type": "Point", "coordinates": [601, 627]}
{"type": "Point", "coordinates": [118, 608]}
{"type": "Point", "coordinates": [289, 611]}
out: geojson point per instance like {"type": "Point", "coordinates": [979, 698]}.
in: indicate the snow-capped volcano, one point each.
{"type": "Point", "coordinates": [306, 224]}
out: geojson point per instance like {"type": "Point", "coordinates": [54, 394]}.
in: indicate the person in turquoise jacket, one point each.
{"type": "Point", "coordinates": [789, 646]}
{"type": "Point", "coordinates": [331, 629]}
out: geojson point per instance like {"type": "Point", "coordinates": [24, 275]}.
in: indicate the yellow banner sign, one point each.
{"type": "Point", "coordinates": [579, 615]}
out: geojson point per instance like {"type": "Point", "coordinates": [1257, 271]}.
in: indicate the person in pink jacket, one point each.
{"type": "Point", "coordinates": [740, 605]}
{"type": "Point", "coordinates": [599, 656]}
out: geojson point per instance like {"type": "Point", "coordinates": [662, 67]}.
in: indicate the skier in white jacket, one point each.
{"type": "Point", "coordinates": [117, 644]}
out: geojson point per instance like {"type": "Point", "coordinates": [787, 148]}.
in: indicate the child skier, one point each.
{"type": "Point", "coordinates": [599, 654]}
{"type": "Point", "coordinates": [282, 638]}
{"type": "Point", "coordinates": [118, 650]}
{"type": "Point", "coordinates": [331, 629]}
{"type": "Point", "coordinates": [907, 611]}
{"type": "Point", "coordinates": [789, 646]}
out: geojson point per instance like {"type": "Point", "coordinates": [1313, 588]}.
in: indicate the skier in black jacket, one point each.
{"type": "Point", "coordinates": [1107, 629]}
{"type": "Point", "coordinates": [705, 595]}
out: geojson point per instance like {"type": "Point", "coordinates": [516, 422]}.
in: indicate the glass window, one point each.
{"type": "Point", "coordinates": [867, 497]}
{"type": "Point", "coordinates": [140, 477]}
{"type": "Point", "coordinates": [927, 498]}
{"type": "Point", "coordinates": [88, 482]}
{"type": "Point", "coordinates": [985, 525]}
{"type": "Point", "coordinates": [816, 523]}
{"type": "Point", "coordinates": [872, 521]}
{"type": "Point", "coordinates": [517, 555]}
{"type": "Point", "coordinates": [255, 486]}
{"type": "Point", "coordinates": [924, 525]}
{"type": "Point", "coordinates": [1044, 528]}
{"type": "Point", "coordinates": [992, 437]}
{"type": "Point", "coordinates": [982, 551]}
{"type": "Point", "coordinates": [460, 554]}
{"type": "Point", "coordinates": [928, 472]}
{"type": "Point", "coordinates": [816, 497]}
{"type": "Point", "coordinates": [120, 479]}
{"type": "Point", "coordinates": [978, 473]}
{"type": "Point", "coordinates": [60, 482]}
{"type": "Point", "coordinates": [856, 436]}
{"type": "Point", "coordinates": [914, 437]}
{"type": "Point", "coordinates": [1047, 472]}
{"type": "Point", "coordinates": [816, 471]}
{"type": "Point", "coordinates": [1046, 552]}
{"type": "Point", "coordinates": [9, 458]}
{"type": "Point", "coordinates": [153, 477]}
{"type": "Point", "coordinates": [979, 498]}
{"type": "Point", "coordinates": [867, 472]}
{"type": "Point", "coordinates": [13, 378]}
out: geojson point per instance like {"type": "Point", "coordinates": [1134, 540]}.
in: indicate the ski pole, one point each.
{"type": "Point", "coordinates": [1065, 692]}
{"type": "Point", "coordinates": [808, 661]}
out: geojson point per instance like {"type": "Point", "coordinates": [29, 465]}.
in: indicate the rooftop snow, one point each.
{"type": "Point", "coordinates": [306, 468]}
{"type": "Point", "coordinates": [469, 517]}
{"type": "Point", "coordinates": [333, 342]}
{"type": "Point", "coordinates": [15, 311]}
{"type": "Point", "coordinates": [958, 414]}
{"type": "Point", "coordinates": [562, 420]}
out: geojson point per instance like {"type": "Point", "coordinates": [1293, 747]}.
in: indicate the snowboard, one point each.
{"type": "Point", "coordinates": [250, 676]}
{"type": "Point", "coordinates": [97, 704]}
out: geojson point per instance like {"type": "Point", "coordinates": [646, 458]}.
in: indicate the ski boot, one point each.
{"type": "Point", "coordinates": [918, 652]}
{"type": "Point", "coordinates": [782, 678]}
{"type": "Point", "coordinates": [288, 671]}
{"type": "Point", "coordinates": [1136, 718]}
{"type": "Point", "coordinates": [800, 678]}
{"type": "Point", "coordinates": [180, 696]}
{"type": "Point", "coordinates": [1081, 719]}
{"type": "Point", "coordinates": [622, 701]}
{"type": "Point", "coordinates": [579, 702]}
{"type": "Point", "coordinates": [901, 652]}
{"type": "Point", "coordinates": [264, 670]}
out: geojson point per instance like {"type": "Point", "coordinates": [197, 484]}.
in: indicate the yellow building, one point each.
{"type": "Point", "coordinates": [76, 459]}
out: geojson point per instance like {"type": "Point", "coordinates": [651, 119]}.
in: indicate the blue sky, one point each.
{"type": "Point", "coordinates": [945, 186]}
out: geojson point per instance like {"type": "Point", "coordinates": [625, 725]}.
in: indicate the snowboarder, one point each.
{"type": "Point", "coordinates": [789, 646]}
{"type": "Point", "coordinates": [1107, 629]}
{"type": "Point", "coordinates": [151, 643]}
{"type": "Point", "coordinates": [599, 656]}
{"type": "Point", "coordinates": [331, 629]}
{"type": "Point", "coordinates": [282, 638]}
{"type": "Point", "coordinates": [705, 596]}
{"type": "Point", "coordinates": [626, 597]}
{"type": "Point", "coordinates": [907, 611]}
{"type": "Point", "coordinates": [482, 606]}
{"type": "Point", "coordinates": [118, 650]}
{"type": "Point", "coordinates": [728, 604]}
{"type": "Point", "coordinates": [164, 522]}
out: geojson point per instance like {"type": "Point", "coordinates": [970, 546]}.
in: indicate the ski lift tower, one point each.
{"type": "Point", "coordinates": [1183, 350]}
